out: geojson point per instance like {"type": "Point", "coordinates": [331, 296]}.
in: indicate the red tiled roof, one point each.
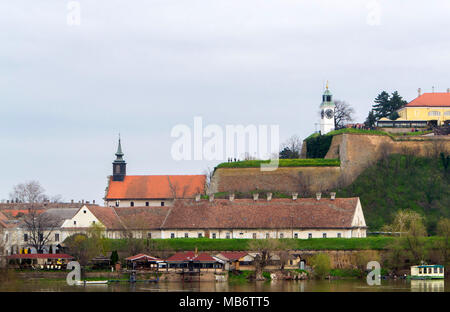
{"type": "Point", "coordinates": [190, 255]}
{"type": "Point", "coordinates": [156, 186]}
{"type": "Point", "coordinates": [107, 216]}
{"type": "Point", "coordinates": [142, 256]}
{"type": "Point", "coordinates": [142, 217]}
{"type": "Point", "coordinates": [40, 256]}
{"type": "Point", "coordinates": [240, 213]}
{"type": "Point", "coordinates": [234, 255]}
{"type": "Point", "coordinates": [277, 213]}
{"type": "Point", "coordinates": [431, 100]}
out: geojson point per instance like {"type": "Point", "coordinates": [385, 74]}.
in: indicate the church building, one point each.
{"type": "Point", "coordinates": [148, 190]}
{"type": "Point", "coordinates": [327, 112]}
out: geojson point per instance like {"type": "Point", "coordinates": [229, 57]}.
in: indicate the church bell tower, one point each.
{"type": "Point", "coordinates": [327, 112]}
{"type": "Point", "coordinates": [119, 165]}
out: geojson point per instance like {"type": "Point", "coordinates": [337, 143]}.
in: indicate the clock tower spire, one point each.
{"type": "Point", "coordinates": [327, 112]}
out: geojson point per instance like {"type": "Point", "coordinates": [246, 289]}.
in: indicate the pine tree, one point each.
{"type": "Point", "coordinates": [370, 120]}
{"type": "Point", "coordinates": [381, 105]}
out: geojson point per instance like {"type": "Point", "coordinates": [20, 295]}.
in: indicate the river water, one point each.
{"type": "Point", "coordinates": [352, 285]}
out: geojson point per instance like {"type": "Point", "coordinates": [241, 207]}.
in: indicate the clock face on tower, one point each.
{"type": "Point", "coordinates": [329, 113]}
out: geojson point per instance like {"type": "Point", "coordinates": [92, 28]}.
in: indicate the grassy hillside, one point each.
{"type": "Point", "coordinates": [402, 182]}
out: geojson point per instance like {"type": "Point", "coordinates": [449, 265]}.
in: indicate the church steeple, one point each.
{"type": "Point", "coordinates": [119, 164]}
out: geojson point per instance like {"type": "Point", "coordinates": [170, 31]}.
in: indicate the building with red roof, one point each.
{"type": "Point", "coordinates": [428, 109]}
{"type": "Point", "coordinates": [192, 260]}
{"type": "Point", "coordinates": [148, 190]}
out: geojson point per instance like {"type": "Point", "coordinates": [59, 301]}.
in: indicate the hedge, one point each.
{"type": "Point", "coordinates": [283, 163]}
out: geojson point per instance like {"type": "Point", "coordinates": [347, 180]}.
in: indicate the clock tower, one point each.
{"type": "Point", "coordinates": [327, 112]}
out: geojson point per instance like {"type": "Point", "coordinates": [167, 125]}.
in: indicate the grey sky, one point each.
{"type": "Point", "coordinates": [141, 67]}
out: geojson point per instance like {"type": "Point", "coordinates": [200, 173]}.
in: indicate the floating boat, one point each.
{"type": "Point", "coordinates": [427, 271]}
{"type": "Point", "coordinates": [84, 283]}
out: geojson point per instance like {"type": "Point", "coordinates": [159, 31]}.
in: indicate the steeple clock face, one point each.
{"type": "Point", "coordinates": [329, 113]}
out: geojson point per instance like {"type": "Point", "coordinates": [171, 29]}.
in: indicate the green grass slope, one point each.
{"type": "Point", "coordinates": [402, 182]}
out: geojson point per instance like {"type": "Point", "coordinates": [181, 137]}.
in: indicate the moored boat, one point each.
{"type": "Point", "coordinates": [427, 271]}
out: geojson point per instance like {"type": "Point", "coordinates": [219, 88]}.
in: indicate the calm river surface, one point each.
{"type": "Point", "coordinates": [37, 285]}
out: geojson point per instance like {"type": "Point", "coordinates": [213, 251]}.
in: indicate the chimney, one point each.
{"type": "Point", "coordinates": [269, 196]}
{"type": "Point", "coordinates": [294, 196]}
{"type": "Point", "coordinates": [419, 91]}
{"type": "Point", "coordinates": [7, 201]}
{"type": "Point", "coordinates": [93, 201]}
{"type": "Point", "coordinates": [255, 196]}
{"type": "Point", "coordinates": [82, 201]}
{"type": "Point", "coordinates": [211, 197]}
{"type": "Point", "coordinates": [318, 195]}
{"type": "Point", "coordinates": [71, 201]}
{"type": "Point", "coordinates": [231, 196]}
{"type": "Point", "coordinates": [333, 195]}
{"type": "Point", "coordinates": [197, 197]}
{"type": "Point", "coordinates": [87, 202]}
{"type": "Point", "coordinates": [432, 88]}
{"type": "Point", "coordinates": [448, 90]}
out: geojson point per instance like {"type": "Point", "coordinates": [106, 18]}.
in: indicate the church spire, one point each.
{"type": "Point", "coordinates": [119, 152]}
{"type": "Point", "coordinates": [119, 164]}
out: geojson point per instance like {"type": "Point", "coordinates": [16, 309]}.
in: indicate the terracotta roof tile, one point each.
{"type": "Point", "coordinates": [107, 216]}
{"type": "Point", "coordinates": [233, 255]}
{"type": "Point", "coordinates": [190, 255]}
{"type": "Point", "coordinates": [142, 217]}
{"type": "Point", "coordinates": [431, 100]}
{"type": "Point", "coordinates": [40, 256]}
{"type": "Point", "coordinates": [277, 213]}
{"type": "Point", "coordinates": [156, 186]}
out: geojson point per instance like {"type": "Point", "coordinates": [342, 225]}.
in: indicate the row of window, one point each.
{"type": "Point", "coordinates": [147, 204]}
{"type": "Point", "coordinates": [41, 237]}
{"type": "Point", "coordinates": [436, 113]}
{"type": "Point", "coordinates": [228, 235]}
{"type": "Point", "coordinates": [430, 270]}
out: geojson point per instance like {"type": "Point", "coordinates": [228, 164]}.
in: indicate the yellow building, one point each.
{"type": "Point", "coordinates": [431, 107]}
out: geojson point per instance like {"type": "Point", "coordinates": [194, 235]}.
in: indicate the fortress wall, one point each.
{"type": "Point", "coordinates": [356, 152]}
{"type": "Point", "coordinates": [284, 179]}
{"type": "Point", "coordinates": [359, 151]}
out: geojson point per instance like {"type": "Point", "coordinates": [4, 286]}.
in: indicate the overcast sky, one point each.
{"type": "Point", "coordinates": [142, 67]}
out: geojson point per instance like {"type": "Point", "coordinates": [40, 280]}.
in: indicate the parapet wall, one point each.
{"type": "Point", "coordinates": [356, 152]}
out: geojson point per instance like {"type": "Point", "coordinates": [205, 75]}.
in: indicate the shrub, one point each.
{"type": "Point", "coordinates": [321, 264]}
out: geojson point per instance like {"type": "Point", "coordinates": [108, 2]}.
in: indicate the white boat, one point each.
{"type": "Point", "coordinates": [84, 283]}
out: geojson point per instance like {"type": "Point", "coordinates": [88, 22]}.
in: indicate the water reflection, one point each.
{"type": "Point", "coordinates": [277, 286]}
{"type": "Point", "coordinates": [428, 286]}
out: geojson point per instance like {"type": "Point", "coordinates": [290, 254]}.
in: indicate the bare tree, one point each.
{"type": "Point", "coordinates": [28, 192]}
{"type": "Point", "coordinates": [291, 148]}
{"type": "Point", "coordinates": [39, 227]}
{"type": "Point", "coordinates": [209, 175]}
{"type": "Point", "coordinates": [343, 113]}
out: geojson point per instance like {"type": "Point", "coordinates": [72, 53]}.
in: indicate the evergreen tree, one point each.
{"type": "Point", "coordinates": [370, 120]}
{"type": "Point", "coordinates": [381, 105]}
{"type": "Point", "coordinates": [387, 105]}
{"type": "Point", "coordinates": [114, 257]}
